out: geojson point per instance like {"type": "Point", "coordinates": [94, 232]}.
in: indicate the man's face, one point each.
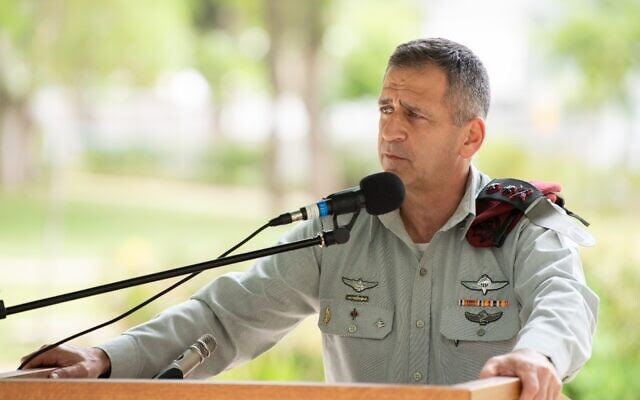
{"type": "Point", "coordinates": [417, 139]}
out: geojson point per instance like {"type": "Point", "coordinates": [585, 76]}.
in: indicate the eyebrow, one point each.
{"type": "Point", "coordinates": [417, 110]}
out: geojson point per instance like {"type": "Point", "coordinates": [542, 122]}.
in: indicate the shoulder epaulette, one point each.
{"type": "Point", "coordinates": [503, 202]}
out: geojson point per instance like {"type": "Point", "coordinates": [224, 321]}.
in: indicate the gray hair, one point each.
{"type": "Point", "coordinates": [468, 94]}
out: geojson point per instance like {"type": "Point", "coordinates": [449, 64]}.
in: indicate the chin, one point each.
{"type": "Point", "coordinates": [404, 177]}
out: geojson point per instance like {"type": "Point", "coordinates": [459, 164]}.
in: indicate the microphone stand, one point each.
{"type": "Point", "coordinates": [337, 236]}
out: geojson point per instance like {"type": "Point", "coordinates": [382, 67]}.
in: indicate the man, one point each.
{"type": "Point", "coordinates": [393, 303]}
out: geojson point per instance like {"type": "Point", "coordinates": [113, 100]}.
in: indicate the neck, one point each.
{"type": "Point", "coordinates": [426, 210]}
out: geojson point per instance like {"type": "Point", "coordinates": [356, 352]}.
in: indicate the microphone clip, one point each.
{"type": "Point", "coordinates": [339, 234]}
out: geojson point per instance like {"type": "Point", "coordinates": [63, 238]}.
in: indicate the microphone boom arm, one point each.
{"type": "Point", "coordinates": [337, 236]}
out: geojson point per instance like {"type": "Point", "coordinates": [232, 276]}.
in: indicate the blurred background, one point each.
{"type": "Point", "coordinates": [139, 136]}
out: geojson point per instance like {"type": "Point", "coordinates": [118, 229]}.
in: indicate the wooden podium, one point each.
{"type": "Point", "coordinates": [25, 386]}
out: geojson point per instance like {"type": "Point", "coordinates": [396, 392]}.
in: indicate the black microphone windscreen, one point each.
{"type": "Point", "coordinates": [383, 192]}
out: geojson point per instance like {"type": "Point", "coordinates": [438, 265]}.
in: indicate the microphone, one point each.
{"type": "Point", "coordinates": [378, 193]}
{"type": "Point", "coordinates": [190, 359]}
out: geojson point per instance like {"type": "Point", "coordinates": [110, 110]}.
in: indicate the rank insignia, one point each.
{"type": "Point", "coordinates": [483, 303]}
{"type": "Point", "coordinates": [483, 317]}
{"type": "Point", "coordinates": [359, 285]}
{"type": "Point", "coordinates": [357, 298]}
{"type": "Point", "coordinates": [485, 284]}
{"type": "Point", "coordinates": [327, 315]}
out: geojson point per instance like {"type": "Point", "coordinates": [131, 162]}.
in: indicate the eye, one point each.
{"type": "Point", "coordinates": [386, 109]}
{"type": "Point", "coordinates": [413, 114]}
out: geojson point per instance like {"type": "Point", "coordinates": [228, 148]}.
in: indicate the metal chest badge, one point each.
{"type": "Point", "coordinates": [359, 285]}
{"type": "Point", "coordinates": [327, 315]}
{"type": "Point", "coordinates": [483, 317]}
{"type": "Point", "coordinates": [484, 284]}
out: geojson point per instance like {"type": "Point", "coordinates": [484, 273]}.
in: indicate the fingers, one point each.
{"type": "Point", "coordinates": [549, 384]}
{"type": "Point", "coordinates": [530, 385]}
{"type": "Point", "coordinates": [47, 359]}
{"type": "Point", "coordinates": [78, 370]}
{"type": "Point", "coordinates": [490, 369]}
{"type": "Point", "coordinates": [555, 388]}
{"type": "Point", "coordinates": [537, 374]}
{"type": "Point", "coordinates": [497, 366]}
{"type": "Point", "coordinates": [72, 362]}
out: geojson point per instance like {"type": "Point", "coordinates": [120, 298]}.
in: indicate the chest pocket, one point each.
{"type": "Point", "coordinates": [482, 309]}
{"type": "Point", "coordinates": [354, 320]}
{"type": "Point", "coordinates": [479, 323]}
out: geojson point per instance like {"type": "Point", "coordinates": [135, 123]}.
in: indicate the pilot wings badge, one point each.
{"type": "Point", "coordinates": [359, 285]}
{"type": "Point", "coordinates": [483, 317]}
{"type": "Point", "coordinates": [485, 284]}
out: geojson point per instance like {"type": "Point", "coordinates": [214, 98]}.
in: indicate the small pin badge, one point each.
{"type": "Point", "coordinates": [359, 284]}
{"type": "Point", "coordinates": [380, 323]}
{"type": "Point", "coordinates": [357, 298]}
{"type": "Point", "coordinates": [354, 314]}
{"type": "Point", "coordinates": [483, 317]}
{"type": "Point", "coordinates": [327, 315]}
{"type": "Point", "coordinates": [484, 284]}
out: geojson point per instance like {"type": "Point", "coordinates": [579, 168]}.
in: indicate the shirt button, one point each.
{"type": "Point", "coordinates": [481, 332]}
{"type": "Point", "coordinates": [352, 328]}
{"type": "Point", "coordinates": [417, 376]}
{"type": "Point", "coordinates": [420, 323]}
{"type": "Point", "coordinates": [423, 271]}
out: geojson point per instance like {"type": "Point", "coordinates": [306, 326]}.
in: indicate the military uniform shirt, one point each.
{"type": "Point", "coordinates": [388, 311]}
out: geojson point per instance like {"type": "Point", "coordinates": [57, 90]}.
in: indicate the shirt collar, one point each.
{"type": "Point", "coordinates": [462, 217]}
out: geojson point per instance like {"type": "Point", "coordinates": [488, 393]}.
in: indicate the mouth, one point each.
{"type": "Point", "coordinates": [393, 156]}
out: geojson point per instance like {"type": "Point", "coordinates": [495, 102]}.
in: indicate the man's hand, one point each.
{"type": "Point", "coordinates": [72, 362]}
{"type": "Point", "coordinates": [538, 375]}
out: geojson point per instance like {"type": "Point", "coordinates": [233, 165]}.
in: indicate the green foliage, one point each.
{"type": "Point", "coordinates": [131, 161]}
{"type": "Point", "coordinates": [611, 372]}
{"type": "Point", "coordinates": [602, 40]}
{"type": "Point", "coordinates": [84, 42]}
{"type": "Point", "coordinates": [363, 40]}
{"type": "Point", "coordinates": [227, 163]}
{"type": "Point", "coordinates": [16, 20]}
{"type": "Point", "coordinates": [220, 59]}
{"type": "Point", "coordinates": [233, 163]}
{"type": "Point", "coordinates": [279, 364]}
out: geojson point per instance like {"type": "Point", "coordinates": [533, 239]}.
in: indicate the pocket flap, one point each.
{"type": "Point", "coordinates": [360, 320]}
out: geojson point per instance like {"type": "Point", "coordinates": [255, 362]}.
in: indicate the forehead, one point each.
{"type": "Point", "coordinates": [421, 84]}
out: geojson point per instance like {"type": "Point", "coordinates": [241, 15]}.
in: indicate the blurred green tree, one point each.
{"type": "Point", "coordinates": [229, 48]}
{"type": "Point", "coordinates": [601, 40]}
{"type": "Point", "coordinates": [80, 46]}
{"type": "Point", "coordinates": [361, 44]}
{"type": "Point", "coordinates": [17, 138]}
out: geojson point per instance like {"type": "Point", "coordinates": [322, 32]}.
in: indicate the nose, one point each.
{"type": "Point", "coordinates": [392, 127]}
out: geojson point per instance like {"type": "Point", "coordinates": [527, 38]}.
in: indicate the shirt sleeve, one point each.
{"type": "Point", "coordinates": [246, 312]}
{"type": "Point", "coordinates": [558, 311]}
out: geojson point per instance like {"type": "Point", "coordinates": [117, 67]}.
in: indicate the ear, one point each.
{"type": "Point", "coordinates": [473, 137]}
